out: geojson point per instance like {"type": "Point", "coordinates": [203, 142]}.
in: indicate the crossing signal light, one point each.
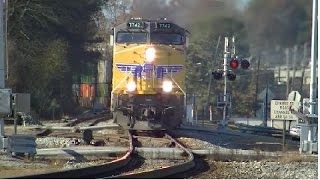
{"type": "Point", "coordinates": [217, 75]}
{"type": "Point", "coordinates": [245, 64]}
{"type": "Point", "coordinates": [231, 76]}
{"type": "Point", "coordinates": [234, 63]}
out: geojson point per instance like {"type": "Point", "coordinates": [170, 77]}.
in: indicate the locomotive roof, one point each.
{"type": "Point", "coordinates": [153, 26]}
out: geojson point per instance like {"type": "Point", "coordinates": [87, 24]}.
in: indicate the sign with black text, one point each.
{"type": "Point", "coordinates": [280, 110]}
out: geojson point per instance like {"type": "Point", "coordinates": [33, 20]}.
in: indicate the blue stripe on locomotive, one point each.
{"type": "Point", "coordinates": [161, 70]}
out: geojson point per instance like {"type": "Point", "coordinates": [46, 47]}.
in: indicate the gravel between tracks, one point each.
{"type": "Point", "coordinates": [260, 170]}
{"type": "Point", "coordinates": [292, 165]}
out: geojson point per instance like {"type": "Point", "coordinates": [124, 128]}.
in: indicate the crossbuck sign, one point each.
{"type": "Point", "coordinates": [280, 110]}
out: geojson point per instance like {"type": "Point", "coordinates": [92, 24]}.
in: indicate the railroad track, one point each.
{"type": "Point", "coordinates": [76, 123]}
{"type": "Point", "coordinates": [259, 130]}
{"type": "Point", "coordinates": [132, 164]}
{"type": "Point", "coordinates": [176, 165]}
{"type": "Point", "coordinates": [93, 120]}
{"type": "Point", "coordinates": [97, 171]}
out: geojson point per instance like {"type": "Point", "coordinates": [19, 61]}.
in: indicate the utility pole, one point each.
{"type": "Point", "coordinates": [295, 59]}
{"type": "Point", "coordinates": [303, 65]}
{"type": "Point", "coordinates": [265, 117]}
{"type": "Point", "coordinates": [6, 38]}
{"type": "Point", "coordinates": [2, 43]}
{"type": "Point", "coordinates": [314, 54]}
{"type": "Point", "coordinates": [226, 56]}
{"type": "Point", "coordinates": [257, 83]}
{"type": "Point", "coordinates": [288, 70]}
{"type": "Point", "coordinates": [2, 66]}
{"type": "Point", "coordinates": [309, 129]}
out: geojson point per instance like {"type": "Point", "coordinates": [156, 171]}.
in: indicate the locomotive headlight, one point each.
{"type": "Point", "coordinates": [150, 54]}
{"type": "Point", "coordinates": [131, 86]}
{"type": "Point", "coordinates": [167, 86]}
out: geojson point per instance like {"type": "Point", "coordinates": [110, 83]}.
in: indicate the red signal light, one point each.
{"type": "Point", "coordinates": [245, 64]}
{"type": "Point", "coordinates": [234, 63]}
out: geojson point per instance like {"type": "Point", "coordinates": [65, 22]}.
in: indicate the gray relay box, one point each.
{"type": "Point", "coordinates": [5, 101]}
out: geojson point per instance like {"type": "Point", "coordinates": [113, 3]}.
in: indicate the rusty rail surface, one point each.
{"type": "Point", "coordinates": [165, 171]}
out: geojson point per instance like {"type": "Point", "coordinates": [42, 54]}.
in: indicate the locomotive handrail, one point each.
{"type": "Point", "coordinates": [115, 88]}
{"type": "Point", "coordinates": [184, 93]}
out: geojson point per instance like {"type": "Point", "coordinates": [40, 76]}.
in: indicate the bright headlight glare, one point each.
{"type": "Point", "coordinates": [150, 54]}
{"type": "Point", "coordinates": [131, 86]}
{"type": "Point", "coordinates": [167, 86]}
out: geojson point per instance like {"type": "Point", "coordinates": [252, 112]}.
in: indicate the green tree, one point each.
{"type": "Point", "coordinates": [46, 48]}
{"type": "Point", "coordinates": [202, 61]}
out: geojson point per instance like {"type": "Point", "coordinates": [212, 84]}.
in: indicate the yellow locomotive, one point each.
{"type": "Point", "coordinates": [148, 83]}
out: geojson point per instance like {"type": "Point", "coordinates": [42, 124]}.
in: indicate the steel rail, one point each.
{"type": "Point", "coordinates": [97, 171]}
{"type": "Point", "coordinates": [96, 118]}
{"type": "Point", "coordinates": [165, 171]}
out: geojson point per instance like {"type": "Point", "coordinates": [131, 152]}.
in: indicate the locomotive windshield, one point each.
{"type": "Point", "coordinates": [131, 37]}
{"type": "Point", "coordinates": [155, 38]}
{"type": "Point", "coordinates": [166, 38]}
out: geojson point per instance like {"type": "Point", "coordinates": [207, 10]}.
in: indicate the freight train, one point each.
{"type": "Point", "coordinates": [148, 74]}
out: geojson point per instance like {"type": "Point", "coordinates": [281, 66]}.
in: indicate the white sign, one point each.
{"type": "Point", "coordinates": [294, 96]}
{"type": "Point", "coordinates": [280, 110]}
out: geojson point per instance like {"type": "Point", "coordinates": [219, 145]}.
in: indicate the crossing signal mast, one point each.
{"type": "Point", "coordinates": [234, 62]}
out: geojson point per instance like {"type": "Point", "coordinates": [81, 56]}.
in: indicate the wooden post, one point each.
{"type": "Point", "coordinates": [210, 113]}
{"type": "Point", "coordinates": [288, 71]}
{"type": "Point", "coordinates": [1, 127]}
{"type": "Point", "coordinates": [257, 85]}
{"type": "Point", "coordinates": [15, 124]}
{"type": "Point", "coordinates": [295, 59]}
{"type": "Point", "coordinates": [284, 136]}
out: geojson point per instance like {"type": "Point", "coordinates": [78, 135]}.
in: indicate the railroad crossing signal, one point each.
{"type": "Point", "coordinates": [234, 63]}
